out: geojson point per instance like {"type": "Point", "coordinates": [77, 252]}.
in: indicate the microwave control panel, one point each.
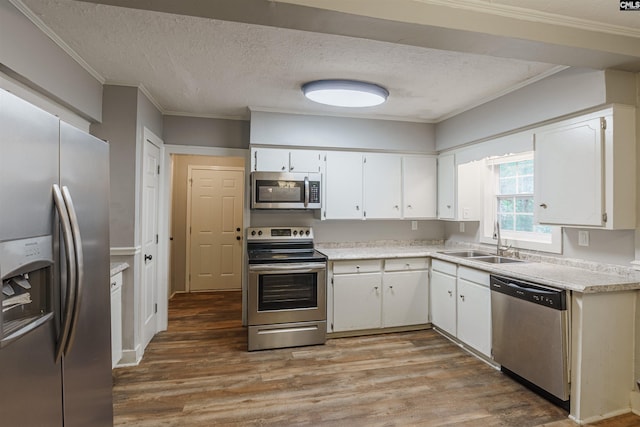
{"type": "Point", "coordinates": [314, 191]}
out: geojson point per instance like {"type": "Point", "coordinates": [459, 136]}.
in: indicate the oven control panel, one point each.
{"type": "Point", "coordinates": [279, 233]}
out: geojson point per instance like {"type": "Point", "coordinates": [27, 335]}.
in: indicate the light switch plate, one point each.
{"type": "Point", "coordinates": [414, 225]}
{"type": "Point", "coordinates": [583, 238]}
{"type": "Point", "coordinates": [462, 227]}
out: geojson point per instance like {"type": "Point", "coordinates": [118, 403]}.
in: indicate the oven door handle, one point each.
{"type": "Point", "coordinates": [298, 268]}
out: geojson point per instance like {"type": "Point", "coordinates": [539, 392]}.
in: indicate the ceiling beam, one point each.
{"type": "Point", "coordinates": [426, 23]}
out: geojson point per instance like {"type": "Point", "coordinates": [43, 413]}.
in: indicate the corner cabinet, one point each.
{"type": "Point", "coordinates": [374, 294]}
{"type": "Point", "coordinates": [460, 189]}
{"type": "Point", "coordinates": [585, 169]}
{"type": "Point", "coordinates": [461, 304]}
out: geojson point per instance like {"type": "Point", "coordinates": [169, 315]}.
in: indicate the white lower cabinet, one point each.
{"type": "Point", "coordinates": [356, 301]}
{"type": "Point", "coordinates": [474, 309]}
{"type": "Point", "coordinates": [367, 295]}
{"type": "Point", "coordinates": [461, 304]}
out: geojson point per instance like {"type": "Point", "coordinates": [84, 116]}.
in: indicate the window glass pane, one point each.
{"type": "Point", "coordinates": [505, 205]}
{"type": "Point", "coordinates": [507, 170]}
{"type": "Point", "coordinates": [524, 205]}
{"type": "Point", "coordinates": [507, 185]}
{"type": "Point", "coordinates": [525, 184]}
{"type": "Point", "coordinates": [506, 221]}
{"type": "Point", "coordinates": [524, 222]}
{"type": "Point", "coordinates": [542, 229]}
{"type": "Point", "coordinates": [525, 167]}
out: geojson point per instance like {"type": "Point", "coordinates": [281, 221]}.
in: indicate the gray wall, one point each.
{"type": "Point", "coordinates": [563, 93]}
{"type": "Point", "coordinates": [119, 127]}
{"type": "Point", "coordinates": [341, 132]}
{"type": "Point", "coordinates": [28, 55]}
{"type": "Point", "coordinates": [206, 132]}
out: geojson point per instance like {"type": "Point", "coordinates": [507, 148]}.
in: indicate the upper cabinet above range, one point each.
{"type": "Point", "coordinates": [585, 170]}
{"type": "Point", "coordinates": [285, 160]}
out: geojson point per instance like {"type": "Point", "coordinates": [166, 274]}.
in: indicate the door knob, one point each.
{"type": "Point", "coordinates": [238, 238]}
{"type": "Point", "coordinates": [148, 258]}
{"type": "Point", "coordinates": [238, 229]}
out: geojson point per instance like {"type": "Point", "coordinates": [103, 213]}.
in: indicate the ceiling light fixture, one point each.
{"type": "Point", "coordinates": [345, 93]}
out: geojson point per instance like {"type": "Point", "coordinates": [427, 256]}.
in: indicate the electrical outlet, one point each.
{"type": "Point", "coordinates": [414, 225]}
{"type": "Point", "coordinates": [462, 227]}
{"type": "Point", "coordinates": [583, 238]}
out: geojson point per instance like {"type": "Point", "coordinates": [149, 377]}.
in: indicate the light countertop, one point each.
{"type": "Point", "coordinates": [117, 267]}
{"type": "Point", "coordinates": [559, 273]}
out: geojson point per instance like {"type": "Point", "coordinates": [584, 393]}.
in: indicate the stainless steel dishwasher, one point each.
{"type": "Point", "coordinates": [530, 340]}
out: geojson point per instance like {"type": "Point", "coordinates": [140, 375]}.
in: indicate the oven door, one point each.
{"type": "Point", "coordinates": [287, 292]}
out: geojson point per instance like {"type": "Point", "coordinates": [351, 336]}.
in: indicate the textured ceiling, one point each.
{"type": "Point", "coordinates": [206, 67]}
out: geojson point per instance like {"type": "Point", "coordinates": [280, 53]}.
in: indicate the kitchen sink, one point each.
{"type": "Point", "coordinates": [467, 254]}
{"type": "Point", "coordinates": [495, 259]}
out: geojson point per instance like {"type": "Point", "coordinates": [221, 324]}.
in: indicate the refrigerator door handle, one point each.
{"type": "Point", "coordinates": [70, 296]}
{"type": "Point", "coordinates": [77, 245]}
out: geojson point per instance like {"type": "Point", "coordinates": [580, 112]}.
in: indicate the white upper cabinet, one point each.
{"type": "Point", "coordinates": [460, 189]}
{"type": "Point", "coordinates": [285, 160]}
{"type": "Point", "coordinates": [446, 186]}
{"type": "Point", "coordinates": [379, 186]}
{"type": "Point", "coordinates": [382, 186]}
{"type": "Point", "coordinates": [584, 169]}
{"type": "Point", "coordinates": [419, 187]}
{"type": "Point", "coordinates": [343, 185]}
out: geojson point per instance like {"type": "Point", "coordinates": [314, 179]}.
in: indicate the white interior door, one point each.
{"type": "Point", "coordinates": [215, 229]}
{"type": "Point", "coordinates": [149, 225]}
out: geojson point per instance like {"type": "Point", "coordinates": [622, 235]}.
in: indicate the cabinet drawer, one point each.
{"type": "Point", "coordinates": [473, 275]}
{"type": "Point", "coordinates": [116, 281]}
{"type": "Point", "coordinates": [401, 264]}
{"type": "Point", "coordinates": [444, 267]}
{"type": "Point", "coordinates": [359, 266]}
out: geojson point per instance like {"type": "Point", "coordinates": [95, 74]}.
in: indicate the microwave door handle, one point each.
{"type": "Point", "coordinates": [306, 191]}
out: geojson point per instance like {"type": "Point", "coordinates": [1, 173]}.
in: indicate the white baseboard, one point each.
{"type": "Point", "coordinates": [635, 402]}
{"type": "Point", "coordinates": [597, 418]}
{"type": "Point", "coordinates": [131, 357]}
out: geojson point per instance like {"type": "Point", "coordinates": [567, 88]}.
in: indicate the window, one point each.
{"type": "Point", "coordinates": [510, 203]}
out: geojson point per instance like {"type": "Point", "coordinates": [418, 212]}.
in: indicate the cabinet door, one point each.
{"type": "Point", "coordinates": [443, 301]}
{"type": "Point", "coordinates": [357, 301]}
{"type": "Point", "coordinates": [304, 161]}
{"type": "Point", "coordinates": [405, 298]}
{"type": "Point", "coordinates": [446, 186]}
{"type": "Point", "coordinates": [474, 316]}
{"type": "Point", "coordinates": [382, 186]}
{"type": "Point", "coordinates": [419, 187]}
{"type": "Point", "coordinates": [343, 198]}
{"type": "Point", "coordinates": [568, 174]}
{"type": "Point", "coordinates": [270, 160]}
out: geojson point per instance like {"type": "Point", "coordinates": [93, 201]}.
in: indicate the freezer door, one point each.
{"type": "Point", "coordinates": [28, 168]}
{"type": "Point", "coordinates": [30, 388]}
{"type": "Point", "coordinates": [84, 166]}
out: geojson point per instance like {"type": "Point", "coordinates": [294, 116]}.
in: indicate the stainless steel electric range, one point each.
{"type": "Point", "coordinates": [287, 288]}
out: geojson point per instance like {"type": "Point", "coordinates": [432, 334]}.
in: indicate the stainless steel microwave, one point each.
{"type": "Point", "coordinates": [284, 190]}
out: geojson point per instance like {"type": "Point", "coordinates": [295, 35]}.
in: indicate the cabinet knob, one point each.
{"type": "Point", "coordinates": [448, 206]}
{"type": "Point", "coordinates": [376, 288]}
{"type": "Point", "coordinates": [357, 207]}
{"type": "Point", "coordinates": [357, 267]}
{"type": "Point", "coordinates": [462, 297]}
{"type": "Point", "coordinates": [284, 168]}
{"type": "Point", "coordinates": [543, 205]}
{"type": "Point", "coordinates": [390, 287]}
{"type": "Point", "coordinates": [396, 207]}
{"type": "Point", "coordinates": [238, 238]}
{"type": "Point", "coordinates": [291, 168]}
{"type": "Point", "coordinates": [450, 293]}
{"type": "Point", "coordinates": [409, 206]}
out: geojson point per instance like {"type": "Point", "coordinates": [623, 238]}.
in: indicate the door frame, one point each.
{"type": "Point", "coordinates": [161, 276]}
{"type": "Point", "coordinates": [164, 253]}
{"type": "Point", "coordinates": [190, 168]}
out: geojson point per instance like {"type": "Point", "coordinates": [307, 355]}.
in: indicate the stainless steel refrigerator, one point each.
{"type": "Point", "coordinates": [55, 345]}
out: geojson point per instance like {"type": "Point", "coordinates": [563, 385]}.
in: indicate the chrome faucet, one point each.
{"type": "Point", "coordinates": [496, 235]}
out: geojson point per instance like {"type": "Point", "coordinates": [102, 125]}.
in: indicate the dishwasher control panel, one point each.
{"type": "Point", "coordinates": [532, 292]}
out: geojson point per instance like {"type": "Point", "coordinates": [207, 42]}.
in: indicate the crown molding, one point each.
{"type": "Point", "coordinates": [206, 116]}
{"type": "Point", "coordinates": [342, 115]}
{"type": "Point", "coordinates": [526, 14]}
{"type": "Point", "coordinates": [56, 39]}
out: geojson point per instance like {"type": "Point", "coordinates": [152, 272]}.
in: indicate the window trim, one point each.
{"type": "Point", "coordinates": [490, 213]}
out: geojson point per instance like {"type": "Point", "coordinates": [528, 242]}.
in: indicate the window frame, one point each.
{"type": "Point", "coordinates": [515, 239]}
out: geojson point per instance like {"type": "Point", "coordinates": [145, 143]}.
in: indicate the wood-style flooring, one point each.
{"type": "Point", "coordinates": [199, 373]}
